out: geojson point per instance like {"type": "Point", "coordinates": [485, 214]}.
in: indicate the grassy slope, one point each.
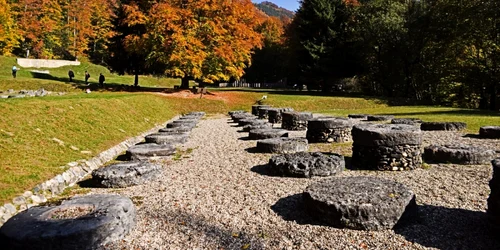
{"type": "Point", "coordinates": [58, 78]}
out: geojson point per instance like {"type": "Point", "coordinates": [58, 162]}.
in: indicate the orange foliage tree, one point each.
{"type": "Point", "coordinates": [201, 40]}
{"type": "Point", "coordinates": [8, 36]}
{"type": "Point", "coordinates": [39, 23]}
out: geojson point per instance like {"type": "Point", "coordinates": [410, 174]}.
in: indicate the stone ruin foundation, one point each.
{"type": "Point", "coordinates": [329, 129]}
{"type": "Point", "coordinates": [386, 147]}
{"type": "Point", "coordinates": [295, 120]}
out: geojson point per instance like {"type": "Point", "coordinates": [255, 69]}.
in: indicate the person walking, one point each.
{"type": "Point", "coordinates": [101, 79]}
{"type": "Point", "coordinates": [71, 75]}
{"type": "Point", "coordinates": [87, 76]}
{"type": "Point", "coordinates": [14, 71]}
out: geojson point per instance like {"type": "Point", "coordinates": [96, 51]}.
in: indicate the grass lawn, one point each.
{"type": "Point", "coordinates": [30, 128]}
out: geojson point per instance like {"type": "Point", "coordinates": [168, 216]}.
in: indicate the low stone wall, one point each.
{"type": "Point", "coordinates": [44, 63]}
{"type": "Point", "coordinates": [76, 172]}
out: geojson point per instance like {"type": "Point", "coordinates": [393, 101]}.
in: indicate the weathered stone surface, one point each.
{"type": "Point", "coordinates": [264, 112]}
{"type": "Point", "coordinates": [178, 130]}
{"type": "Point", "coordinates": [494, 198]}
{"type": "Point", "coordinates": [195, 121]}
{"type": "Point", "coordinates": [255, 109]}
{"type": "Point", "coordinates": [458, 154]}
{"type": "Point", "coordinates": [274, 114]}
{"type": "Point", "coordinates": [304, 164]}
{"type": "Point", "coordinates": [251, 127]}
{"type": "Point", "coordinates": [492, 132]}
{"type": "Point", "coordinates": [379, 117]}
{"type": "Point", "coordinates": [361, 203]}
{"type": "Point", "coordinates": [231, 113]}
{"type": "Point", "coordinates": [386, 134]}
{"type": "Point", "coordinates": [386, 147]}
{"type": "Point", "coordinates": [190, 118]}
{"type": "Point", "coordinates": [237, 117]}
{"type": "Point", "coordinates": [358, 116]}
{"type": "Point", "coordinates": [181, 124]}
{"type": "Point", "coordinates": [111, 218]}
{"type": "Point", "coordinates": [447, 126]}
{"type": "Point", "coordinates": [295, 120]}
{"type": "Point", "coordinates": [408, 121]}
{"type": "Point", "coordinates": [329, 129]}
{"type": "Point", "coordinates": [144, 151]}
{"type": "Point", "coordinates": [196, 113]}
{"type": "Point", "coordinates": [283, 145]}
{"type": "Point", "coordinates": [167, 138]}
{"type": "Point", "coordinates": [258, 134]}
{"type": "Point", "coordinates": [126, 174]}
{"type": "Point", "coordinates": [244, 122]}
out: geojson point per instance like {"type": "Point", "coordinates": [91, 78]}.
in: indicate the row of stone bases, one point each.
{"type": "Point", "coordinates": [364, 203]}
{"type": "Point", "coordinates": [90, 222]}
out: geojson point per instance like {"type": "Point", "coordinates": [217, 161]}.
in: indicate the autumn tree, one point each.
{"type": "Point", "coordinates": [196, 40]}
{"type": "Point", "coordinates": [39, 23]}
{"type": "Point", "coordinates": [8, 36]}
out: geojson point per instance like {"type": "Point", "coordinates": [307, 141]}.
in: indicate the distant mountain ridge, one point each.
{"type": "Point", "coordinates": [272, 9]}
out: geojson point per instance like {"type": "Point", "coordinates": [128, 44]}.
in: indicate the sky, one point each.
{"type": "Point", "coordinates": [292, 5]}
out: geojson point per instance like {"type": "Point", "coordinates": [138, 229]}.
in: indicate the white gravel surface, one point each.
{"type": "Point", "coordinates": [220, 197]}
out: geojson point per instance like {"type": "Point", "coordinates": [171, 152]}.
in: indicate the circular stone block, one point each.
{"type": "Point", "coordinates": [329, 129]}
{"type": "Point", "coordinates": [282, 145]}
{"type": "Point", "coordinates": [447, 126]}
{"type": "Point", "coordinates": [361, 203]}
{"type": "Point", "coordinates": [258, 134]}
{"type": "Point", "coordinates": [231, 113]}
{"type": "Point", "coordinates": [304, 164]}
{"type": "Point", "coordinates": [167, 138]}
{"type": "Point", "coordinates": [181, 124]}
{"type": "Point", "coordinates": [98, 220]}
{"type": "Point", "coordinates": [274, 114]}
{"type": "Point", "coordinates": [244, 122]}
{"type": "Point", "coordinates": [458, 154]}
{"type": "Point", "coordinates": [197, 113]}
{"type": "Point", "coordinates": [408, 121]}
{"type": "Point", "coordinates": [189, 118]}
{"type": "Point", "coordinates": [379, 117]}
{"type": "Point", "coordinates": [251, 127]}
{"type": "Point", "coordinates": [194, 121]}
{"type": "Point", "coordinates": [358, 116]}
{"type": "Point", "coordinates": [494, 198]}
{"type": "Point", "coordinates": [492, 132]}
{"type": "Point", "coordinates": [126, 174]}
{"type": "Point", "coordinates": [144, 151]}
{"type": "Point", "coordinates": [263, 112]}
{"type": "Point", "coordinates": [237, 117]}
{"type": "Point", "coordinates": [255, 108]}
{"type": "Point", "coordinates": [178, 130]}
{"type": "Point", "coordinates": [295, 120]}
{"type": "Point", "coordinates": [386, 147]}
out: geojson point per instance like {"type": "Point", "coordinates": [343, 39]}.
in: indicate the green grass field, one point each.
{"type": "Point", "coordinates": [29, 154]}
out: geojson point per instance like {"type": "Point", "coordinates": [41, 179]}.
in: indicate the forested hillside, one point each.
{"type": "Point", "coordinates": [274, 10]}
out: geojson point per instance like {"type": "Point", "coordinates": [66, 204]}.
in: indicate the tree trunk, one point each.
{"type": "Point", "coordinates": [185, 83]}
{"type": "Point", "coordinates": [136, 79]}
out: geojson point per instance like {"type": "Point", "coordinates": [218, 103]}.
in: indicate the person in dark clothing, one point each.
{"type": "Point", "coordinates": [101, 80]}
{"type": "Point", "coordinates": [14, 71]}
{"type": "Point", "coordinates": [71, 75]}
{"type": "Point", "coordinates": [87, 76]}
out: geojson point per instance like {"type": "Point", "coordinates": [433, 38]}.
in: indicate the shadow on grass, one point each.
{"type": "Point", "coordinates": [292, 208]}
{"type": "Point", "coordinates": [451, 228]}
{"type": "Point", "coordinates": [203, 232]}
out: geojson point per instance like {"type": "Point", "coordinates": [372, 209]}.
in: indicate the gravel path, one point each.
{"type": "Point", "coordinates": [222, 198]}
